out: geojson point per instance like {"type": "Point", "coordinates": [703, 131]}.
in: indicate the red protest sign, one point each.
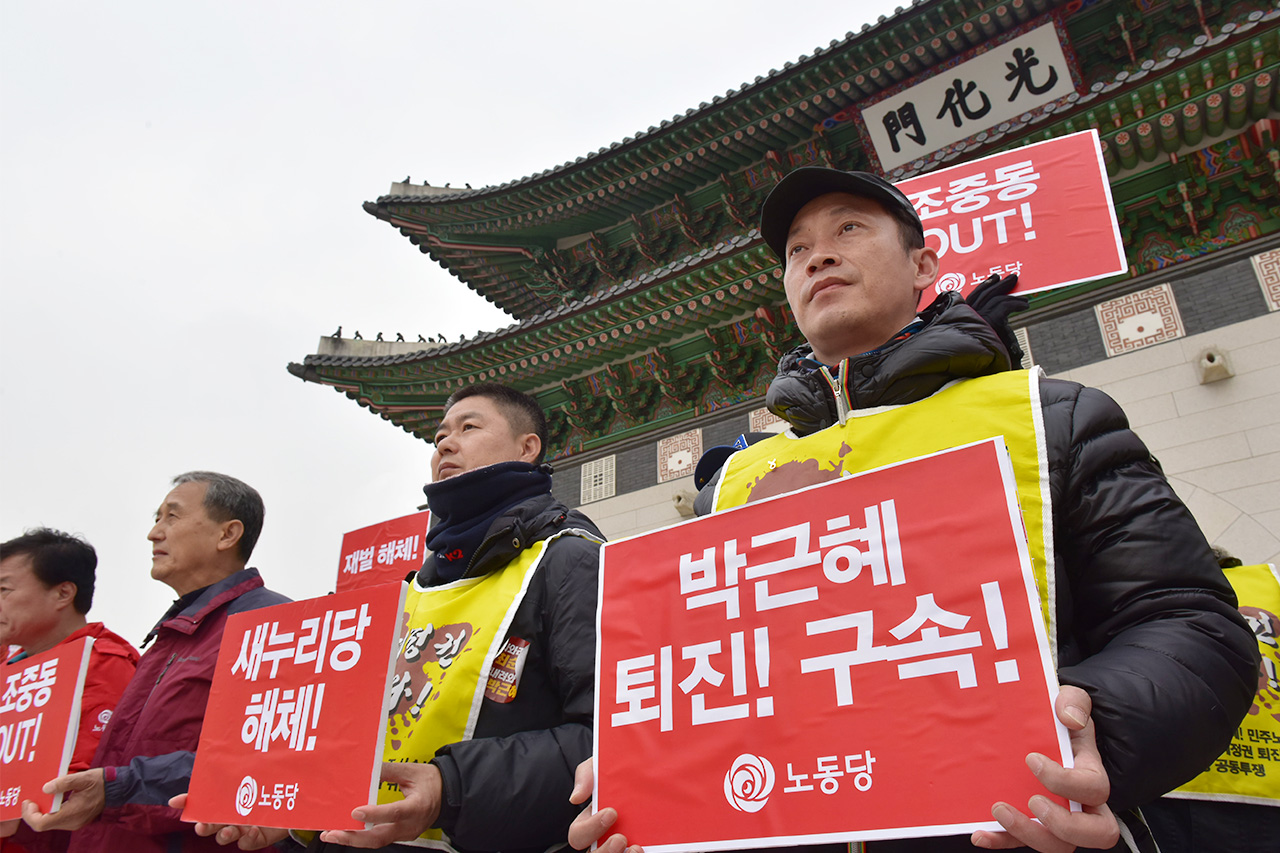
{"type": "Point", "coordinates": [382, 553]}
{"type": "Point", "coordinates": [39, 721]}
{"type": "Point", "coordinates": [1043, 211]}
{"type": "Point", "coordinates": [293, 731]}
{"type": "Point", "coordinates": [859, 660]}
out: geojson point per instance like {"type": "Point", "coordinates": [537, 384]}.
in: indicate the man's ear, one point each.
{"type": "Point", "coordinates": [231, 532]}
{"type": "Point", "coordinates": [65, 594]}
{"type": "Point", "coordinates": [530, 446]}
{"type": "Point", "coordinates": [927, 268]}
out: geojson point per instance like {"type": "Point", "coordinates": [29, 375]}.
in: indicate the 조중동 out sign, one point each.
{"type": "Point", "coordinates": [383, 553]}
{"type": "Point", "coordinates": [39, 721]}
{"type": "Point", "coordinates": [863, 659]}
{"type": "Point", "coordinates": [293, 731]}
{"type": "Point", "coordinates": [1043, 211]}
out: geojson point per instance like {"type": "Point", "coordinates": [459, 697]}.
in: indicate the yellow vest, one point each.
{"type": "Point", "coordinates": [1004, 404]}
{"type": "Point", "coordinates": [1249, 771]}
{"type": "Point", "coordinates": [455, 651]}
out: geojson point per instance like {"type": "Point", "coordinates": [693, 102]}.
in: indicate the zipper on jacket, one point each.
{"type": "Point", "coordinates": [168, 664]}
{"type": "Point", "coordinates": [839, 388]}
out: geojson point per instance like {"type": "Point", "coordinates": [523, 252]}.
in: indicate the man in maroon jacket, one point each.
{"type": "Point", "coordinates": [205, 531]}
{"type": "Point", "coordinates": [46, 589]}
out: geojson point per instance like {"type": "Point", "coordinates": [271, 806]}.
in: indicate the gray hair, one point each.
{"type": "Point", "coordinates": [227, 499]}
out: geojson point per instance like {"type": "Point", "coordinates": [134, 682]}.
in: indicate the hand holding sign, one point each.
{"type": "Point", "coordinates": [88, 796]}
{"type": "Point", "coordinates": [589, 827]}
{"type": "Point", "coordinates": [403, 820]}
{"type": "Point", "coordinates": [1061, 830]}
{"type": "Point", "coordinates": [244, 837]}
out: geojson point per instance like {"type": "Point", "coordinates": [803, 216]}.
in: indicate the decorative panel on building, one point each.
{"type": "Point", "coordinates": [763, 420]}
{"type": "Point", "coordinates": [678, 454]}
{"type": "Point", "coordinates": [597, 479]}
{"type": "Point", "coordinates": [1138, 320]}
{"type": "Point", "coordinates": [1266, 266]}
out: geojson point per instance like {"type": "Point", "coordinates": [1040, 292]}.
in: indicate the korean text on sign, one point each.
{"type": "Point", "coordinates": [298, 695]}
{"type": "Point", "coordinates": [39, 721]}
{"type": "Point", "coordinates": [1043, 212]}
{"type": "Point", "coordinates": [383, 553]}
{"type": "Point", "coordinates": [819, 647]}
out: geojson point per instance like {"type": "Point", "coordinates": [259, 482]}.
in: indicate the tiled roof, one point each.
{"type": "Point", "coordinates": [721, 249]}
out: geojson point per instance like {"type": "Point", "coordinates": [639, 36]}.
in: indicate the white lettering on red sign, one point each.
{"type": "Point", "coordinates": [334, 638]}
{"type": "Point", "coordinates": [727, 677]}
{"type": "Point", "coordinates": [285, 715]}
{"type": "Point", "coordinates": [388, 553]}
{"type": "Point", "coordinates": [827, 775]}
{"type": "Point", "coordinates": [29, 686]}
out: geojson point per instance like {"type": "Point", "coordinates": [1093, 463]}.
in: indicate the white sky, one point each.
{"type": "Point", "coordinates": [180, 191]}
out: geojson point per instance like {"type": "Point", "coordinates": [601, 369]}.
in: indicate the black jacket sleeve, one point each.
{"type": "Point", "coordinates": [1155, 637]}
{"type": "Point", "coordinates": [512, 792]}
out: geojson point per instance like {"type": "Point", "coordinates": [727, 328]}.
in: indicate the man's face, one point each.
{"type": "Point", "coordinates": [475, 433]}
{"type": "Point", "coordinates": [849, 281]}
{"type": "Point", "coordinates": [184, 540]}
{"type": "Point", "coordinates": [29, 610]}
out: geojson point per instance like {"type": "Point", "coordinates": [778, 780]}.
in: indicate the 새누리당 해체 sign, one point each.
{"type": "Point", "coordinates": [294, 729]}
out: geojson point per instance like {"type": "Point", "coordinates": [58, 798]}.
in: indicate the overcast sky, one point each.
{"type": "Point", "coordinates": [180, 191]}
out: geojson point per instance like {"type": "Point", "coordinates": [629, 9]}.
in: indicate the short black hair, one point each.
{"type": "Point", "coordinates": [229, 499]}
{"type": "Point", "coordinates": [57, 557]}
{"type": "Point", "coordinates": [522, 411]}
{"type": "Point", "coordinates": [908, 229]}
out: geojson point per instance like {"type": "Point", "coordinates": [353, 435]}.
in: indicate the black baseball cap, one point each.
{"type": "Point", "coordinates": [805, 184]}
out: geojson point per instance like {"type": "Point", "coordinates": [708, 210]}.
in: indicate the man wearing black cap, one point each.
{"type": "Point", "coordinates": [1156, 665]}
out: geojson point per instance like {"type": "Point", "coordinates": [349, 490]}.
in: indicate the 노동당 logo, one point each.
{"type": "Point", "coordinates": [246, 795]}
{"type": "Point", "coordinates": [749, 782]}
{"type": "Point", "coordinates": [949, 281]}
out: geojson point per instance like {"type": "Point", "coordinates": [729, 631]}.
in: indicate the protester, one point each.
{"type": "Point", "coordinates": [1234, 806]}
{"type": "Point", "coordinates": [46, 591]}
{"type": "Point", "coordinates": [530, 564]}
{"type": "Point", "coordinates": [1156, 663]}
{"type": "Point", "coordinates": [205, 530]}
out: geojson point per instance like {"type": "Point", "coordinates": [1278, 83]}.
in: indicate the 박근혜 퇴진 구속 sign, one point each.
{"type": "Point", "coordinates": [804, 669]}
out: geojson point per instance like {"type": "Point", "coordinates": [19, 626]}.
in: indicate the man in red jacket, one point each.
{"type": "Point", "coordinates": [205, 530]}
{"type": "Point", "coordinates": [46, 589]}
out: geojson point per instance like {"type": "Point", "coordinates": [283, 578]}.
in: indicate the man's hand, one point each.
{"type": "Point", "coordinates": [994, 302]}
{"type": "Point", "coordinates": [86, 792]}
{"type": "Point", "coordinates": [404, 820]}
{"type": "Point", "coordinates": [1061, 830]}
{"type": "Point", "coordinates": [244, 837]}
{"type": "Point", "coordinates": [588, 828]}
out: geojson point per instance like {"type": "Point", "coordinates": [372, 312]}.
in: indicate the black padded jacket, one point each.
{"type": "Point", "coordinates": [1147, 624]}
